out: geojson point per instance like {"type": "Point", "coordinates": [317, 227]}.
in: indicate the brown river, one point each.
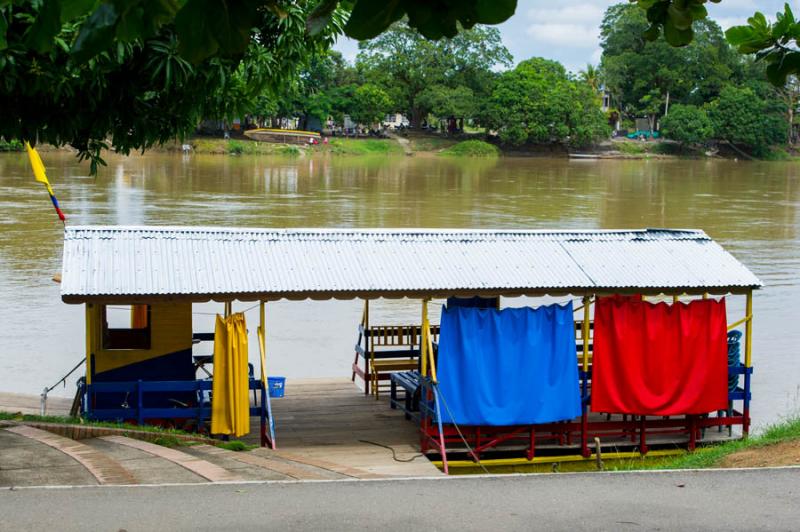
{"type": "Point", "coordinates": [750, 208]}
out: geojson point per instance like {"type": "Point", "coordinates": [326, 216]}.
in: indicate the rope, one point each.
{"type": "Point", "coordinates": [458, 430]}
{"type": "Point", "coordinates": [64, 378]}
{"type": "Point", "coordinates": [394, 453]}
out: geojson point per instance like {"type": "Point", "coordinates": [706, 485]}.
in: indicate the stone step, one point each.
{"type": "Point", "coordinates": [270, 467]}
{"type": "Point", "coordinates": [145, 467]}
{"type": "Point", "coordinates": [28, 462]}
{"type": "Point", "coordinates": [198, 466]}
{"type": "Point", "coordinates": [102, 467]}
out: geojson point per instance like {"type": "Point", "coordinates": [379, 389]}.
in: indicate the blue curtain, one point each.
{"type": "Point", "coordinates": [515, 366]}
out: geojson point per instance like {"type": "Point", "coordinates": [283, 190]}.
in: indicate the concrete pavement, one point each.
{"type": "Point", "coordinates": [763, 499]}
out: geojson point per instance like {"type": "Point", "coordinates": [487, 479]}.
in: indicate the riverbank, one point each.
{"type": "Point", "coordinates": [778, 445]}
{"type": "Point", "coordinates": [465, 146]}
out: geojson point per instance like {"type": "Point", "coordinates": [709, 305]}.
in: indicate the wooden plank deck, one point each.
{"type": "Point", "coordinates": [331, 424]}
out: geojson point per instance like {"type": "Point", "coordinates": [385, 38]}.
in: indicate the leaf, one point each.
{"type": "Point", "coordinates": [195, 35]}
{"type": "Point", "coordinates": [680, 18]}
{"type": "Point", "coordinates": [3, 30]}
{"type": "Point", "coordinates": [652, 33]}
{"type": "Point", "coordinates": [778, 71]}
{"type": "Point", "coordinates": [131, 24]}
{"type": "Point", "coordinates": [96, 34]}
{"type": "Point", "coordinates": [46, 26]}
{"type": "Point", "coordinates": [737, 35]}
{"type": "Point", "coordinates": [698, 11]}
{"type": "Point", "coordinates": [370, 18]}
{"type": "Point", "coordinates": [72, 9]}
{"type": "Point", "coordinates": [205, 27]}
{"type": "Point", "coordinates": [319, 18]}
{"type": "Point", "coordinates": [494, 11]}
{"type": "Point", "coordinates": [677, 36]}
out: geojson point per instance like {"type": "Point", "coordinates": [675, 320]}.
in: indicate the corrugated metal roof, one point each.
{"type": "Point", "coordinates": [202, 263]}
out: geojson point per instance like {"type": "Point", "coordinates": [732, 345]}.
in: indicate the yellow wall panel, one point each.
{"type": "Point", "coordinates": [171, 331]}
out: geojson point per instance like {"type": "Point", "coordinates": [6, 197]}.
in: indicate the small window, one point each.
{"type": "Point", "coordinates": [126, 327]}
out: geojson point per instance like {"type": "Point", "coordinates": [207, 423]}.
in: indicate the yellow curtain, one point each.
{"type": "Point", "coordinates": [230, 403]}
{"type": "Point", "coordinates": [138, 316]}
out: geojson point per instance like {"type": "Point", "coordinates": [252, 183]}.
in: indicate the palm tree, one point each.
{"type": "Point", "coordinates": [591, 76]}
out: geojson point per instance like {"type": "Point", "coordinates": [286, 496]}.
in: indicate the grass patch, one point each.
{"type": "Point", "coordinates": [288, 149]}
{"type": "Point", "coordinates": [242, 147]}
{"type": "Point", "coordinates": [472, 148]}
{"type": "Point", "coordinates": [417, 143]}
{"type": "Point", "coordinates": [342, 146]}
{"type": "Point", "coordinates": [631, 148]}
{"type": "Point", "coordinates": [66, 420]}
{"type": "Point", "coordinates": [236, 446]}
{"type": "Point", "coordinates": [711, 456]}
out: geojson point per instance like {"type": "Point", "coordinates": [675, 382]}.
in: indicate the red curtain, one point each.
{"type": "Point", "coordinates": [659, 359]}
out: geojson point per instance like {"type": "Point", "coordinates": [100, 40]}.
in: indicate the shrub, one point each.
{"type": "Point", "coordinates": [687, 124]}
{"type": "Point", "coordinates": [472, 148]}
{"type": "Point", "coordinates": [235, 147]}
{"type": "Point", "coordinates": [11, 145]}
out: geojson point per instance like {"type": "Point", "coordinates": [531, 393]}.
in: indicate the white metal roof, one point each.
{"type": "Point", "coordinates": [201, 263]}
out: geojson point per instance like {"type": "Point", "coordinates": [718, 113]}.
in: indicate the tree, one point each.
{"type": "Point", "coordinates": [370, 104]}
{"type": "Point", "coordinates": [743, 117]}
{"type": "Point", "coordinates": [537, 102]}
{"type": "Point", "coordinates": [444, 102]}
{"type": "Point", "coordinates": [591, 76]}
{"type": "Point", "coordinates": [645, 77]}
{"type": "Point", "coordinates": [405, 64]}
{"type": "Point", "coordinates": [687, 124]}
{"type": "Point", "coordinates": [141, 72]}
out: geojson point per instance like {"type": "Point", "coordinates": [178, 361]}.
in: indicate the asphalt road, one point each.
{"type": "Point", "coordinates": [766, 499]}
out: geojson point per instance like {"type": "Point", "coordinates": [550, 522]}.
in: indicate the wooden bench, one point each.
{"type": "Point", "coordinates": [385, 349]}
{"type": "Point", "coordinates": [410, 382]}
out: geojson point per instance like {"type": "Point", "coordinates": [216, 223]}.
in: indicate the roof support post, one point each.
{"type": "Point", "coordinates": [748, 346]}
{"type": "Point", "coordinates": [587, 301]}
{"type": "Point", "coordinates": [423, 347]}
{"type": "Point", "coordinates": [266, 405]}
{"type": "Point", "coordinates": [585, 331]}
{"type": "Point", "coordinates": [748, 328]}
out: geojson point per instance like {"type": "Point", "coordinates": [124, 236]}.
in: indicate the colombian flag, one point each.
{"type": "Point", "coordinates": [41, 177]}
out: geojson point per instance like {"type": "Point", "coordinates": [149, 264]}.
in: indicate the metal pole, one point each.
{"type": "Point", "coordinates": [423, 339]}
{"type": "Point", "coordinates": [585, 382]}
{"type": "Point", "coordinates": [748, 345]}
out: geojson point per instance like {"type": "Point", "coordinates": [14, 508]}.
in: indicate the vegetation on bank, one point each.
{"type": "Point", "coordinates": [344, 146]}
{"type": "Point", "coordinates": [239, 147]}
{"type": "Point", "coordinates": [472, 148]}
{"type": "Point", "coordinates": [715, 455]}
{"type": "Point", "coordinates": [11, 145]}
{"type": "Point", "coordinates": [167, 436]}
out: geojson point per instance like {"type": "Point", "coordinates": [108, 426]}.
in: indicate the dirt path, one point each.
{"type": "Point", "coordinates": [406, 145]}
{"type": "Point", "coordinates": [779, 454]}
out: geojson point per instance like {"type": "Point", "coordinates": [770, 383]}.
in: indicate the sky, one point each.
{"type": "Point", "coordinates": [568, 30]}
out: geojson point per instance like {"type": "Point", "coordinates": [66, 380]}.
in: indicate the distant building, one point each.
{"type": "Point", "coordinates": [395, 120]}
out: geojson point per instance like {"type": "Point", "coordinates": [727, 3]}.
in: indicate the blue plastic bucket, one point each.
{"type": "Point", "coordinates": [276, 386]}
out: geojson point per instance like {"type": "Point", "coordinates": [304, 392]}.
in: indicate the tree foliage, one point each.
{"type": "Point", "coordinates": [140, 72]}
{"type": "Point", "coordinates": [687, 124]}
{"type": "Point", "coordinates": [538, 102]}
{"type": "Point", "coordinates": [744, 117]}
{"type": "Point", "coordinates": [412, 69]}
{"type": "Point", "coordinates": [641, 75]}
{"type": "Point", "coordinates": [774, 43]}
{"type": "Point", "coordinates": [369, 104]}
{"type": "Point", "coordinates": [444, 101]}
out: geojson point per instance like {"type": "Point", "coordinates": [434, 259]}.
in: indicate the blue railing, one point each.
{"type": "Point", "coordinates": [135, 400]}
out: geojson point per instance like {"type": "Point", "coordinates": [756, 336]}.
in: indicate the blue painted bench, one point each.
{"type": "Point", "coordinates": [410, 382]}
